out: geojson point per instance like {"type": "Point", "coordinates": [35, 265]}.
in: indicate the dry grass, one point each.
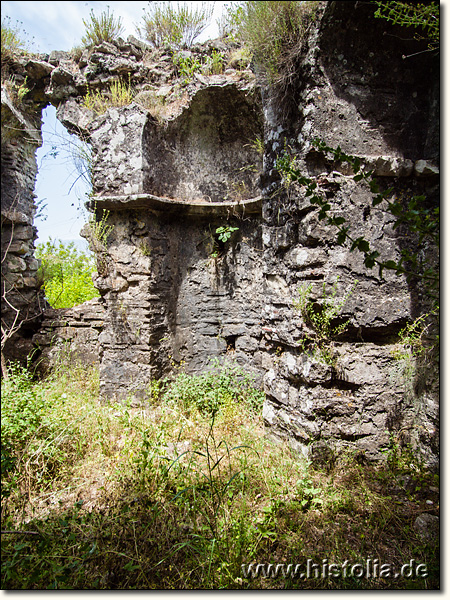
{"type": "Point", "coordinates": [167, 497]}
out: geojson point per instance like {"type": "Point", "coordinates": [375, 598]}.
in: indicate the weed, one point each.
{"type": "Point", "coordinates": [221, 237]}
{"type": "Point", "coordinates": [224, 233]}
{"type": "Point", "coordinates": [145, 249]}
{"type": "Point", "coordinates": [163, 24]}
{"type": "Point", "coordinates": [99, 230]}
{"type": "Point", "coordinates": [257, 145]}
{"type": "Point", "coordinates": [105, 28]}
{"type": "Point", "coordinates": [221, 385]}
{"type": "Point", "coordinates": [240, 59]}
{"type": "Point", "coordinates": [173, 496]}
{"type": "Point", "coordinates": [22, 90]}
{"type": "Point", "coordinates": [214, 64]}
{"type": "Point", "coordinates": [18, 92]}
{"type": "Point", "coordinates": [13, 43]}
{"type": "Point", "coordinates": [271, 30]}
{"type": "Point", "coordinates": [120, 94]}
{"type": "Point", "coordinates": [186, 67]}
{"type": "Point", "coordinates": [417, 351]}
{"type": "Point", "coordinates": [322, 316]}
{"type": "Point", "coordinates": [422, 17]}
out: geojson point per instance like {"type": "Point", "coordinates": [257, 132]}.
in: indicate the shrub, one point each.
{"type": "Point", "coordinates": [11, 42]}
{"type": "Point", "coordinates": [105, 28]}
{"type": "Point", "coordinates": [164, 24]}
{"type": "Point", "coordinates": [208, 392]}
{"type": "Point", "coordinates": [21, 417]}
{"type": "Point", "coordinates": [271, 30]}
{"type": "Point", "coordinates": [66, 274]}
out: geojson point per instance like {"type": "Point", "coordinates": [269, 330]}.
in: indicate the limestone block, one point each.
{"type": "Point", "coordinates": [304, 368]}
{"type": "Point", "coordinates": [30, 282]}
{"type": "Point", "coordinates": [427, 526]}
{"type": "Point", "coordinates": [20, 247]}
{"type": "Point", "coordinates": [38, 69]}
{"type": "Point", "coordinates": [425, 168]}
{"type": "Point", "coordinates": [246, 344]}
{"type": "Point", "coordinates": [276, 387]}
{"type": "Point", "coordinates": [61, 76]}
{"type": "Point", "coordinates": [15, 264]}
{"type": "Point", "coordinates": [303, 258]}
{"type": "Point", "coordinates": [23, 232]}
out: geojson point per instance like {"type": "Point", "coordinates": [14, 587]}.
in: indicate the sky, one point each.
{"type": "Point", "coordinates": [59, 25]}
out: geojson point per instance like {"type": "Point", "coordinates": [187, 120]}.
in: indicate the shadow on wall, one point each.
{"type": "Point", "coordinates": [207, 153]}
{"type": "Point", "coordinates": [387, 76]}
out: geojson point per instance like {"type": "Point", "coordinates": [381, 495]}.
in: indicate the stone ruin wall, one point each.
{"type": "Point", "coordinates": [169, 176]}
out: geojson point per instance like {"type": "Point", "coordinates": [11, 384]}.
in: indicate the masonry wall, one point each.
{"type": "Point", "coordinates": [181, 161]}
{"type": "Point", "coordinates": [22, 303]}
{"type": "Point", "coordinates": [381, 107]}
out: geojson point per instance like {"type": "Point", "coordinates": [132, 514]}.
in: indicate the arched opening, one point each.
{"type": "Point", "coordinates": [62, 182]}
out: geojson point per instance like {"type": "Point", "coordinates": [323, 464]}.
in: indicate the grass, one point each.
{"type": "Point", "coordinates": [105, 28]}
{"type": "Point", "coordinates": [181, 491]}
{"type": "Point", "coordinates": [12, 41]}
{"type": "Point", "coordinates": [120, 94]}
{"type": "Point", "coordinates": [179, 25]}
{"type": "Point", "coordinates": [15, 42]}
{"type": "Point", "coordinates": [271, 31]}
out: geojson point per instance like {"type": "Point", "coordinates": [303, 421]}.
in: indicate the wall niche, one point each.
{"type": "Point", "coordinates": [208, 152]}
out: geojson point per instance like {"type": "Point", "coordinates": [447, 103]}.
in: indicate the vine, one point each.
{"type": "Point", "coordinates": [420, 220]}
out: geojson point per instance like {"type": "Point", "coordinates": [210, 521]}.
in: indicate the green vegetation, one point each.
{"type": "Point", "coordinates": [164, 24]}
{"type": "Point", "coordinates": [120, 94]}
{"type": "Point", "coordinates": [422, 17]}
{"type": "Point", "coordinates": [220, 386]}
{"type": "Point", "coordinates": [12, 42]}
{"type": "Point", "coordinates": [416, 217]}
{"type": "Point", "coordinates": [224, 233]}
{"type": "Point", "coordinates": [99, 230]}
{"type": "Point", "coordinates": [271, 30]}
{"type": "Point", "coordinates": [214, 64]}
{"type": "Point", "coordinates": [417, 351]}
{"type": "Point", "coordinates": [414, 213]}
{"type": "Point", "coordinates": [187, 66]}
{"type": "Point", "coordinates": [221, 237]}
{"type": "Point", "coordinates": [66, 274]}
{"type": "Point", "coordinates": [323, 316]}
{"type": "Point", "coordinates": [17, 91]}
{"type": "Point", "coordinates": [105, 28]}
{"type": "Point", "coordinates": [179, 493]}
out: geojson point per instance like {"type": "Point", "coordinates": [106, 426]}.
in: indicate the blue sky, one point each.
{"type": "Point", "coordinates": [59, 26]}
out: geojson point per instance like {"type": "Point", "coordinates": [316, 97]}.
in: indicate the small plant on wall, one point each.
{"type": "Point", "coordinates": [105, 28]}
{"type": "Point", "coordinates": [222, 236]}
{"type": "Point", "coordinates": [322, 316]}
{"type": "Point", "coordinates": [120, 94]}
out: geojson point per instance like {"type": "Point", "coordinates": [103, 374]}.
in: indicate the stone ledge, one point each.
{"type": "Point", "coordinates": [169, 206]}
